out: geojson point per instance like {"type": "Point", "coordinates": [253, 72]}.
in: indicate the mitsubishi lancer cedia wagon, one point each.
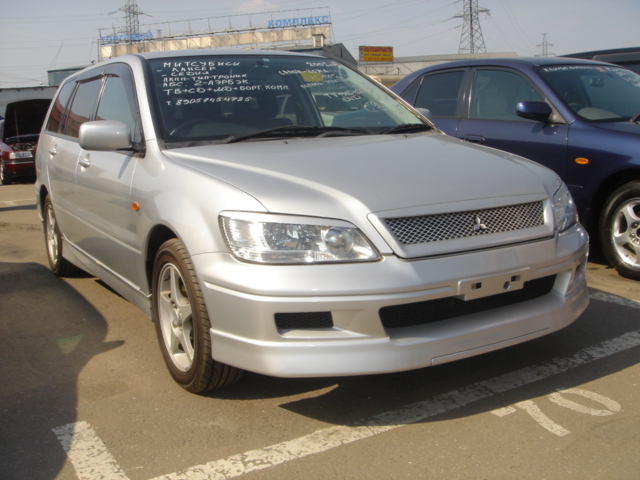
{"type": "Point", "coordinates": [283, 214]}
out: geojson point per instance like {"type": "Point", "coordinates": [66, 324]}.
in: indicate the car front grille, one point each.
{"type": "Point", "coordinates": [450, 226]}
{"type": "Point", "coordinates": [430, 311]}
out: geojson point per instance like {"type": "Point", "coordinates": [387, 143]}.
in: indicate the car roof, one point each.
{"type": "Point", "coordinates": [137, 58]}
{"type": "Point", "coordinates": [635, 51]}
{"type": "Point", "coordinates": [217, 52]}
{"type": "Point", "coordinates": [515, 62]}
{"type": "Point", "coordinates": [522, 63]}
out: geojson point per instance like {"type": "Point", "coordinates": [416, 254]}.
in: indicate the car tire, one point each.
{"type": "Point", "coordinates": [5, 178]}
{"type": "Point", "coordinates": [620, 230]}
{"type": "Point", "coordinates": [182, 323]}
{"type": "Point", "coordinates": [53, 242]}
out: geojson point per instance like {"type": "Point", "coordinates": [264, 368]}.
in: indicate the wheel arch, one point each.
{"type": "Point", "coordinates": [42, 195]}
{"type": "Point", "coordinates": [158, 235]}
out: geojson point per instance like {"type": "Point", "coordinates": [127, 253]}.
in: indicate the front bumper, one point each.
{"type": "Point", "coordinates": [243, 300]}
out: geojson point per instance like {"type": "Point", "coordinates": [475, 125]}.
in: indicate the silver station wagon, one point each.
{"type": "Point", "coordinates": [283, 214]}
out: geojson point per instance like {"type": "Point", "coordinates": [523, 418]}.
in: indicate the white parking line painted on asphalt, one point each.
{"type": "Point", "coordinates": [607, 297]}
{"type": "Point", "coordinates": [14, 203]}
{"type": "Point", "coordinates": [88, 454]}
{"type": "Point", "coordinates": [92, 461]}
{"type": "Point", "coordinates": [328, 438]}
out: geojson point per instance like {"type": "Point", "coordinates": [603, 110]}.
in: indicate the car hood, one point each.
{"type": "Point", "coordinates": [24, 117]}
{"type": "Point", "coordinates": [347, 177]}
{"type": "Point", "coordinates": [624, 127]}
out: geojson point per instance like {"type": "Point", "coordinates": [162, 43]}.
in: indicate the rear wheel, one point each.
{"type": "Point", "coordinates": [53, 241]}
{"type": "Point", "coordinates": [620, 230]}
{"type": "Point", "coordinates": [182, 323]}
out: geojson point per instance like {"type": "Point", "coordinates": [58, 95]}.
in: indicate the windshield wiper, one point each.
{"type": "Point", "coordinates": [407, 128]}
{"type": "Point", "coordinates": [294, 131]}
{"type": "Point", "coordinates": [635, 118]}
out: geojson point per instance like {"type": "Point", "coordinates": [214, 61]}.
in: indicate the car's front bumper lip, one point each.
{"type": "Point", "coordinates": [415, 347]}
{"type": "Point", "coordinates": [244, 333]}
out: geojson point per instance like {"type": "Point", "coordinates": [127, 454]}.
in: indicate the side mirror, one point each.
{"type": "Point", "coordinates": [105, 136]}
{"type": "Point", "coordinates": [538, 111]}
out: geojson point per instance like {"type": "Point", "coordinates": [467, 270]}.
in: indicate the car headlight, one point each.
{"type": "Point", "coordinates": [279, 239]}
{"type": "Point", "coordinates": [19, 155]}
{"type": "Point", "coordinates": [564, 209]}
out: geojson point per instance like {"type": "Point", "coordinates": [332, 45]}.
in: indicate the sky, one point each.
{"type": "Point", "coordinates": [41, 35]}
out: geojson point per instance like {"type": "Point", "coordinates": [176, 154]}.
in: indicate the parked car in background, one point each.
{"type": "Point", "coordinates": [626, 57]}
{"type": "Point", "coordinates": [577, 117]}
{"type": "Point", "coordinates": [19, 132]}
{"type": "Point", "coordinates": [284, 214]}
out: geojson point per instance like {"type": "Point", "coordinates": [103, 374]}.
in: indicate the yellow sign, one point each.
{"type": "Point", "coordinates": [376, 54]}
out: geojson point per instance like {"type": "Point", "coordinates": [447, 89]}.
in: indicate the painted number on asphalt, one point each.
{"type": "Point", "coordinates": [529, 406]}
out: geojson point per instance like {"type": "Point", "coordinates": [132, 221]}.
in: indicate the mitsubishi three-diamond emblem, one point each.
{"type": "Point", "coordinates": [479, 226]}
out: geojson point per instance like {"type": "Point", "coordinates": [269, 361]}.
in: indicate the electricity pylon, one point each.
{"type": "Point", "coordinates": [471, 40]}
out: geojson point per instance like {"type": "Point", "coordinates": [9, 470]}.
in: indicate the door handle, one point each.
{"type": "Point", "coordinates": [84, 162]}
{"type": "Point", "coordinates": [53, 151]}
{"type": "Point", "coordinates": [474, 138]}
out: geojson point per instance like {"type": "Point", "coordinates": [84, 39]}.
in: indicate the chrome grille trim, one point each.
{"type": "Point", "coordinates": [455, 225]}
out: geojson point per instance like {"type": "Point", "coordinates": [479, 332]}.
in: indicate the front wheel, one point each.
{"type": "Point", "coordinates": [182, 323]}
{"type": "Point", "coordinates": [620, 230]}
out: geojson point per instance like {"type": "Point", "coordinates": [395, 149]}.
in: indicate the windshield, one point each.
{"type": "Point", "coordinates": [215, 98]}
{"type": "Point", "coordinates": [596, 93]}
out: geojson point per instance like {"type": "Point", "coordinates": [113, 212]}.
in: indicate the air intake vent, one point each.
{"type": "Point", "coordinates": [305, 320]}
{"type": "Point", "coordinates": [421, 313]}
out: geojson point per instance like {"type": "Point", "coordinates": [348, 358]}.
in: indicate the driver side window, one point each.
{"type": "Point", "coordinates": [496, 93]}
{"type": "Point", "coordinates": [115, 105]}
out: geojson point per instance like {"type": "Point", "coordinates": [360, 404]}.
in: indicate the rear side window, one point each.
{"type": "Point", "coordinates": [82, 107]}
{"type": "Point", "coordinates": [439, 93]}
{"type": "Point", "coordinates": [59, 106]}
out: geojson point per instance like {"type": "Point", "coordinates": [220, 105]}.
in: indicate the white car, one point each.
{"type": "Point", "coordinates": [283, 214]}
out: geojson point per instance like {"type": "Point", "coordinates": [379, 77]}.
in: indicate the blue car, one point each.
{"type": "Point", "coordinates": [577, 117]}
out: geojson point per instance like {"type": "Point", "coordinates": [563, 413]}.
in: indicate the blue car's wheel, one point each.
{"type": "Point", "coordinates": [620, 230]}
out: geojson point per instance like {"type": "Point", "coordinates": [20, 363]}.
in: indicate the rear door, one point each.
{"type": "Point", "coordinates": [59, 145]}
{"type": "Point", "coordinates": [441, 93]}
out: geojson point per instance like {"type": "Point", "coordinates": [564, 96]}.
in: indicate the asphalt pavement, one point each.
{"type": "Point", "coordinates": [84, 394]}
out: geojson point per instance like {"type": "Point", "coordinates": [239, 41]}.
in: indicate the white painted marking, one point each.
{"type": "Point", "coordinates": [88, 454]}
{"type": "Point", "coordinates": [92, 460]}
{"type": "Point", "coordinates": [14, 203]}
{"type": "Point", "coordinates": [611, 405]}
{"type": "Point", "coordinates": [532, 409]}
{"type": "Point", "coordinates": [606, 297]}
{"type": "Point", "coordinates": [332, 437]}
{"type": "Point", "coordinates": [503, 412]}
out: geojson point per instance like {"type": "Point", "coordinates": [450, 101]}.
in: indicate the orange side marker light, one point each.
{"type": "Point", "coordinates": [582, 161]}
{"type": "Point", "coordinates": [135, 206]}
